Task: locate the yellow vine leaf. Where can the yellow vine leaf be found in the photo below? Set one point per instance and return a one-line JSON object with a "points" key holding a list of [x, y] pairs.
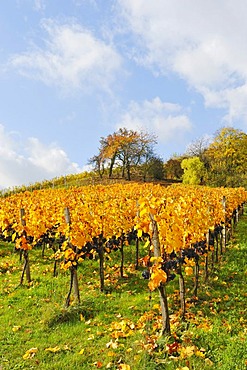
{"points": [[30, 353], [156, 259], [112, 344], [143, 212], [16, 328], [200, 354], [53, 349], [147, 244], [139, 233], [188, 270], [157, 277], [208, 362], [187, 352], [124, 367]]}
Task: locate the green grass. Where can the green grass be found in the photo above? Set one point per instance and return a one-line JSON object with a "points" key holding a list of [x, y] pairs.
{"points": [[122, 327]]}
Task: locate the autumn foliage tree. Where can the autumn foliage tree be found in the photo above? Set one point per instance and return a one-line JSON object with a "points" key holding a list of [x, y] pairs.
{"points": [[193, 171], [198, 148], [98, 164], [123, 149], [153, 167], [226, 156], [173, 169]]}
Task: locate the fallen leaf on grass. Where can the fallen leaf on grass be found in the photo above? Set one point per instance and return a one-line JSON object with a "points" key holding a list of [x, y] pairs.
{"points": [[30, 353], [200, 354], [124, 367], [208, 362], [173, 347], [53, 349], [112, 344], [16, 328], [205, 326], [57, 349], [121, 329], [187, 352], [98, 364]]}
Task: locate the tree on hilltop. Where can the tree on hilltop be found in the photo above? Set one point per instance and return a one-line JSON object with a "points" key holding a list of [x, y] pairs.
{"points": [[123, 149], [227, 156]]}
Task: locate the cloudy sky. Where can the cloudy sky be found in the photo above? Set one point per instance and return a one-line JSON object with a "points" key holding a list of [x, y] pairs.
{"points": [[76, 70]]}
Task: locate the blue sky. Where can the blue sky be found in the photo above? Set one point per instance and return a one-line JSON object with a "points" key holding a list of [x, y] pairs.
{"points": [[76, 70]]}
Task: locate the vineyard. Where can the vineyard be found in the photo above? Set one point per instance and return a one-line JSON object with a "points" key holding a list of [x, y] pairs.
{"points": [[115, 241]]}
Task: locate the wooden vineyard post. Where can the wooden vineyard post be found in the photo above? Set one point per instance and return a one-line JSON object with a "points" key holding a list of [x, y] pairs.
{"points": [[224, 224], [233, 222], [26, 267], [162, 291], [241, 210], [137, 241], [122, 256], [211, 245], [55, 273], [216, 234], [237, 215], [137, 253], [182, 295], [73, 269], [101, 264], [221, 241], [182, 291], [206, 257], [196, 283]]}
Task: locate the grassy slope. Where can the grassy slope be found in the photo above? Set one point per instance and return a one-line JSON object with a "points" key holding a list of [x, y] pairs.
{"points": [[122, 327], [81, 179]]}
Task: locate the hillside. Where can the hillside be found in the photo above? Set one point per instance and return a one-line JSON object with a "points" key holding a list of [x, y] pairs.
{"points": [[120, 327], [81, 179]]}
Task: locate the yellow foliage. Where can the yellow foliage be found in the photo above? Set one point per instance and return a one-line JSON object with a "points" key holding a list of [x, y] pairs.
{"points": [[188, 270], [158, 276], [187, 351], [139, 233]]}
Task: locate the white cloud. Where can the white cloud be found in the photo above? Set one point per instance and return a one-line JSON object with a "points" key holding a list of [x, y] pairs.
{"points": [[72, 58], [39, 5], [166, 120], [22, 163], [204, 42], [51, 159], [83, 2]]}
